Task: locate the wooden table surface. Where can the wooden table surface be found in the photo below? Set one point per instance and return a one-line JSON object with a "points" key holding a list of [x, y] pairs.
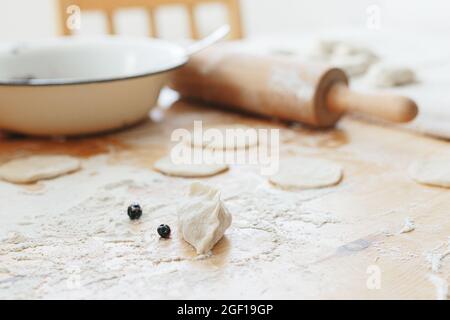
{"points": [[70, 237]]}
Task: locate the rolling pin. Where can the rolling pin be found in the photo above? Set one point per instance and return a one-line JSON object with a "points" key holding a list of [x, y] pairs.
{"points": [[281, 87]]}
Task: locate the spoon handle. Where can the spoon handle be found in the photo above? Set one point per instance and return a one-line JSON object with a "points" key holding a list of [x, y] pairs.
{"points": [[213, 38]]}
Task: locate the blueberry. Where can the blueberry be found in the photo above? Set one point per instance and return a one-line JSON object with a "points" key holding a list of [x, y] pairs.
{"points": [[135, 211], [164, 231]]}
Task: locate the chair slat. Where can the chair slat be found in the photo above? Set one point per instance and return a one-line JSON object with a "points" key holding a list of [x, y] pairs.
{"points": [[110, 6], [110, 25], [153, 25], [192, 21]]}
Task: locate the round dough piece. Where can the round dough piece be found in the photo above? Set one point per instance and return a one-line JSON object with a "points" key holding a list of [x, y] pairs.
{"points": [[307, 173], [353, 65], [385, 76], [167, 167], [36, 168], [242, 137], [431, 171]]}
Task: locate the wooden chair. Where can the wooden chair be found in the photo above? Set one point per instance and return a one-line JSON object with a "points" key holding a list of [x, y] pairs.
{"points": [[110, 6]]}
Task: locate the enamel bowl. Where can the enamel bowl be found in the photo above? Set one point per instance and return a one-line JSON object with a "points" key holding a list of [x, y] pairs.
{"points": [[76, 86]]}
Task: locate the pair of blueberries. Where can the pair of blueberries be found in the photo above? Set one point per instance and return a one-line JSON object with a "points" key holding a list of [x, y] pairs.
{"points": [[135, 213]]}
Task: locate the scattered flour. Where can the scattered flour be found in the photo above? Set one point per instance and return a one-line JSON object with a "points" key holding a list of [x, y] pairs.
{"points": [[408, 227], [393, 252], [435, 258], [92, 250], [441, 286]]}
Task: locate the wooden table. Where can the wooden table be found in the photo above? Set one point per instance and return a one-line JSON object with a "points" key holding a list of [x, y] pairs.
{"points": [[71, 238]]}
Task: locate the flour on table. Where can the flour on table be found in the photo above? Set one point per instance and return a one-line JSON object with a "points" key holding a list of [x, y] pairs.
{"points": [[441, 286], [224, 137], [433, 171], [36, 168], [168, 167], [306, 173], [385, 76], [408, 227], [436, 256], [203, 218]]}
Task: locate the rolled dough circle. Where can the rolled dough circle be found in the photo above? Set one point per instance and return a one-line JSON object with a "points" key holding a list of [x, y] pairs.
{"points": [[433, 171], [386, 76], [167, 167], [306, 173], [36, 168], [247, 139]]}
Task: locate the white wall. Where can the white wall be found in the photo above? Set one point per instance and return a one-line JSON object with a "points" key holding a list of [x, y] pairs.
{"points": [[24, 19], [30, 19]]}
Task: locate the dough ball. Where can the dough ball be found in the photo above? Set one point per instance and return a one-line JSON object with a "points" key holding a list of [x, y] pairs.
{"points": [[166, 166], [353, 65], [203, 218], [383, 76], [347, 49], [306, 173], [36, 168], [353, 59], [433, 171], [324, 48], [224, 137]]}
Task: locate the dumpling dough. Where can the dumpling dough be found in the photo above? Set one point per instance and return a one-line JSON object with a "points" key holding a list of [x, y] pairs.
{"points": [[242, 137], [203, 218], [36, 168], [353, 59], [166, 166], [384, 76], [433, 171], [325, 49], [353, 65], [306, 173]]}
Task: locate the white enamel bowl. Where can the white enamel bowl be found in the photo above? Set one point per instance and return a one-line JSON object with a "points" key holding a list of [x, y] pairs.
{"points": [[81, 86]]}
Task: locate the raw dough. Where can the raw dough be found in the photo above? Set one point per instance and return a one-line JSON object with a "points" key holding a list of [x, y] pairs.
{"points": [[328, 48], [384, 76], [353, 59], [323, 48], [350, 49], [35, 168], [433, 171], [166, 166], [353, 65], [306, 173], [203, 218], [241, 138]]}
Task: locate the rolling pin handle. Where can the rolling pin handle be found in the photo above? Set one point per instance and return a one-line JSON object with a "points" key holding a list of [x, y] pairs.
{"points": [[387, 107]]}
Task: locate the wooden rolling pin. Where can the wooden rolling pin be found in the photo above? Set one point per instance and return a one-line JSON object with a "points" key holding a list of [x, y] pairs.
{"points": [[281, 87]]}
